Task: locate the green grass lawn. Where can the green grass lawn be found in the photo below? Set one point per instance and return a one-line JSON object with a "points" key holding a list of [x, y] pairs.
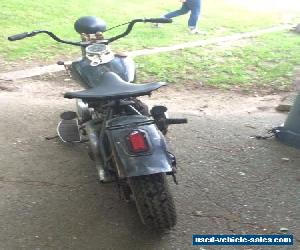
{"points": [[265, 61]]}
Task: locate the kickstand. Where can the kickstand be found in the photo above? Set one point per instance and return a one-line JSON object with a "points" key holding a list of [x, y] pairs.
{"points": [[174, 178], [48, 138]]}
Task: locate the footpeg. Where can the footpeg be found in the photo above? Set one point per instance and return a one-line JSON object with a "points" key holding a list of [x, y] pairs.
{"points": [[68, 131], [68, 115]]}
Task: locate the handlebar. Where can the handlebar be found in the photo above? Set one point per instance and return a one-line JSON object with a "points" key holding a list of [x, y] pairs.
{"points": [[127, 31], [35, 32], [158, 20], [133, 22], [18, 36], [85, 44]]}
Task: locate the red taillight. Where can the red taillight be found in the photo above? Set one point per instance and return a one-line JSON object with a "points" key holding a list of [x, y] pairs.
{"points": [[138, 142]]}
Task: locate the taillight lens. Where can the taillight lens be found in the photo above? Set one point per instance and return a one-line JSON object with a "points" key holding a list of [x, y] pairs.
{"points": [[138, 142]]}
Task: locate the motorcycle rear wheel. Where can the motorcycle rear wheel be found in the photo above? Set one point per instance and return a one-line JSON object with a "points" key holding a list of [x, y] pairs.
{"points": [[154, 201]]}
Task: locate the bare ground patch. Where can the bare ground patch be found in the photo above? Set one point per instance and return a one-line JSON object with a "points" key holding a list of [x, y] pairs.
{"points": [[193, 99]]}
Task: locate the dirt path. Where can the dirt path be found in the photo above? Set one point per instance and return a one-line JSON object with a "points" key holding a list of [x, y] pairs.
{"points": [[197, 101]]}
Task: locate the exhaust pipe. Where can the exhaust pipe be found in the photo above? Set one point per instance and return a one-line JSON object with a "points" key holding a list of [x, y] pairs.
{"points": [[97, 150]]}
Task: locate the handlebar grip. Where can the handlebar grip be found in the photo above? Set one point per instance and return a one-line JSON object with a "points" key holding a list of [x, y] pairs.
{"points": [[158, 20], [18, 36], [176, 121]]}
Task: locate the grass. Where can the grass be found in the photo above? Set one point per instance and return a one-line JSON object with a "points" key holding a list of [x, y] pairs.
{"points": [[264, 61]]}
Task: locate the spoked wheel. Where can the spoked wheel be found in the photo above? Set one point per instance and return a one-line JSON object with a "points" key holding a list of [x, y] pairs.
{"points": [[154, 201]]}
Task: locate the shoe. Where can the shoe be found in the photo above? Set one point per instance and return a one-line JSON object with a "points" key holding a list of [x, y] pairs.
{"points": [[194, 31]]}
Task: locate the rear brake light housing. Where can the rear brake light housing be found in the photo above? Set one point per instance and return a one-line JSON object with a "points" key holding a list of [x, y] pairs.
{"points": [[138, 142]]}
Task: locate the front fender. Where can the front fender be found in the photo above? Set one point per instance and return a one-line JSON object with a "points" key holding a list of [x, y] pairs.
{"points": [[156, 160]]}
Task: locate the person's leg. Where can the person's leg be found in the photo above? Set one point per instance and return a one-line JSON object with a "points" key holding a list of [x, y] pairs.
{"points": [[195, 7], [184, 9]]}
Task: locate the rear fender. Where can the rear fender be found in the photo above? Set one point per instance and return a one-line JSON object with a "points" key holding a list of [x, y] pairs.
{"points": [[128, 164]]}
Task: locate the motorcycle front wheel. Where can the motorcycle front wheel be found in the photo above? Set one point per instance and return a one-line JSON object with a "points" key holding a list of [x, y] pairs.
{"points": [[154, 201]]}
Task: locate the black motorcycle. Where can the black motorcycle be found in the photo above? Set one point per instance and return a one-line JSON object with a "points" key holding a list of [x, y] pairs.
{"points": [[125, 139]]}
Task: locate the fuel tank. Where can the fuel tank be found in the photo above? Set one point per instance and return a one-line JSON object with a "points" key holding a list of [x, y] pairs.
{"points": [[88, 76]]}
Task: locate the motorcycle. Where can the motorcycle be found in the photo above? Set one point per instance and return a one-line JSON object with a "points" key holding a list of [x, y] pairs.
{"points": [[126, 140]]}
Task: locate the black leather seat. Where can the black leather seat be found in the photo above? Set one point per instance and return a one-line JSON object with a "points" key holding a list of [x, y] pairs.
{"points": [[111, 86]]}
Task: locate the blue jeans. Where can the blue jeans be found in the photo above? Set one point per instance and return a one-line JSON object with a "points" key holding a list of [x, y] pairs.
{"points": [[190, 5]]}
